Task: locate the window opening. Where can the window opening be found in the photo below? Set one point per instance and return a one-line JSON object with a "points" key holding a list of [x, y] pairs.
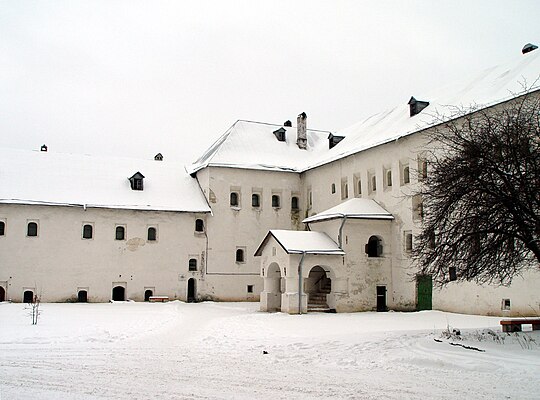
{"points": [[31, 229], [2, 228], [234, 199], [255, 200], [239, 255], [452, 272], [152, 233], [408, 242], [120, 233], [275, 201], [374, 183], [87, 231], [388, 178], [250, 288], [199, 225], [28, 296], [294, 203], [192, 264], [333, 188], [406, 175], [374, 247]]}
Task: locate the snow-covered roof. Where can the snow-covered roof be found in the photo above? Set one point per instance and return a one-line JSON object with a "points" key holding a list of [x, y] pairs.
{"points": [[253, 145], [298, 242], [36, 177], [354, 209], [492, 86]]}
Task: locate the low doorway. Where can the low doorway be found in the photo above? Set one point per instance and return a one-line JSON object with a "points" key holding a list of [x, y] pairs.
{"points": [[82, 296], [119, 293], [147, 294], [2, 294], [381, 299], [28, 296]]}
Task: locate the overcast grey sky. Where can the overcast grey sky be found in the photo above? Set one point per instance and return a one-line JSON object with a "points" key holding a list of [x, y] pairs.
{"points": [[134, 78]]}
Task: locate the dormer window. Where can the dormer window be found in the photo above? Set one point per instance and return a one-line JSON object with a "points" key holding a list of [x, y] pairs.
{"points": [[280, 134], [158, 157], [416, 106], [136, 181], [333, 140]]}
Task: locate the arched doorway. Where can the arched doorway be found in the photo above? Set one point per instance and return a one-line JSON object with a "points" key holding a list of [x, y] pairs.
{"points": [[2, 294], [119, 293], [28, 296], [317, 286], [82, 296], [191, 290], [147, 294]]}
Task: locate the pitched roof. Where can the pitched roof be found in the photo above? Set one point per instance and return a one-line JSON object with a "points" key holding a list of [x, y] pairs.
{"points": [[491, 86], [298, 242], [253, 145], [354, 209], [36, 177]]}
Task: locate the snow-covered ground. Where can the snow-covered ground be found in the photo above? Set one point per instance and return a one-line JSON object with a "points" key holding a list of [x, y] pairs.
{"points": [[215, 351]]}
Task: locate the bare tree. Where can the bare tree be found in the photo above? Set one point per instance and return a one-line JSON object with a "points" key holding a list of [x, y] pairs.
{"points": [[481, 196], [34, 309]]}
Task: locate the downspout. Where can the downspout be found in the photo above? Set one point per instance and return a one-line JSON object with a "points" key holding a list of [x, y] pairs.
{"points": [[340, 234], [300, 282]]}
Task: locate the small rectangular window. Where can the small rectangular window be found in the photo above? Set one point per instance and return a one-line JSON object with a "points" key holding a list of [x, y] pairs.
{"points": [[192, 264], [452, 273], [505, 304], [120, 233], [408, 237], [2, 228], [250, 288], [255, 200], [276, 201]]}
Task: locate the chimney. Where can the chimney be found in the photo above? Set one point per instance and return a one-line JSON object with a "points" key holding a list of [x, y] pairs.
{"points": [[287, 123], [44, 147], [301, 135]]}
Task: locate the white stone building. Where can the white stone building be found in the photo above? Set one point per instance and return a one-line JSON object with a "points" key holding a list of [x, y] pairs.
{"points": [[233, 227]]}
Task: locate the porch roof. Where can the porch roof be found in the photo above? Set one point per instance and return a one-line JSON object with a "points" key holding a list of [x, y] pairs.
{"points": [[298, 242], [353, 208]]}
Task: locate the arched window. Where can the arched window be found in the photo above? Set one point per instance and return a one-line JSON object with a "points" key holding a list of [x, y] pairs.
{"points": [[374, 183], [388, 178], [120, 233], [192, 264], [374, 247], [239, 255], [87, 231], [31, 229], [255, 200], [234, 199], [152, 233], [294, 203], [276, 201], [199, 225], [406, 175], [2, 228]]}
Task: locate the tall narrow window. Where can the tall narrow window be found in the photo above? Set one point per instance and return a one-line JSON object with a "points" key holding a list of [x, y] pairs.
{"points": [[234, 199], [388, 178], [275, 201], [2, 228], [408, 241], [120, 233], [255, 200], [193, 264], [294, 203], [452, 274], [87, 231], [240, 255], [333, 188], [199, 225], [31, 229], [374, 183], [406, 175], [359, 184], [152, 234]]}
